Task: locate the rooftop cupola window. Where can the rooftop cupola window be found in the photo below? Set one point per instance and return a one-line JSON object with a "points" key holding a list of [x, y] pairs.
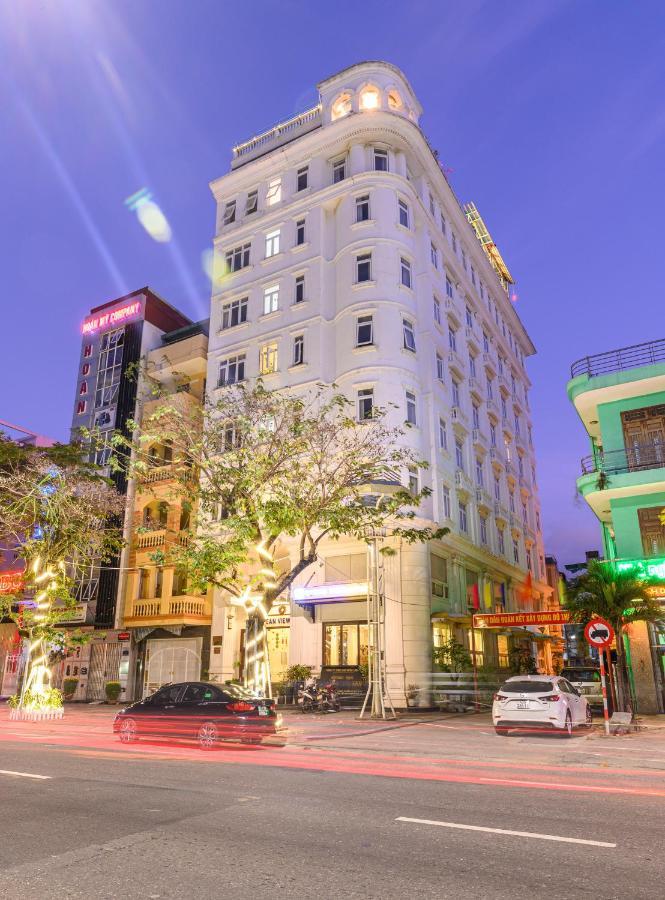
{"points": [[369, 98], [342, 106], [394, 100]]}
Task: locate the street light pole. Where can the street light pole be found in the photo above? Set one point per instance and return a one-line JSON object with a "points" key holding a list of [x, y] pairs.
{"points": [[375, 628]]}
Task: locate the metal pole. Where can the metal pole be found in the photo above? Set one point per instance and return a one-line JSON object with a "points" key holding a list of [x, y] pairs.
{"points": [[475, 666], [601, 657]]}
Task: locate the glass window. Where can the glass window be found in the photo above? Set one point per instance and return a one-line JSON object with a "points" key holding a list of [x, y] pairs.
{"points": [[516, 551], [446, 502], [492, 434], [475, 416], [437, 310], [268, 358], [381, 160], [486, 342], [369, 99], [231, 370], [302, 178], [364, 267], [443, 435], [271, 299], [410, 408], [472, 365], [339, 170], [459, 454], [455, 392], [364, 331], [409, 336], [272, 244], [405, 267], [300, 232], [449, 287], [252, 202], [440, 371], [403, 213], [365, 404], [298, 350], [202, 693], [502, 542], [362, 208], [234, 313], [300, 288], [431, 204], [452, 338], [469, 316], [274, 193], [238, 258], [480, 475], [414, 481], [109, 368], [434, 256], [443, 224], [345, 644], [230, 212], [463, 518], [483, 530]]}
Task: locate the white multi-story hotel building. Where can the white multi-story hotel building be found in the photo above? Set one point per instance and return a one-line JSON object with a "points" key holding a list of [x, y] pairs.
{"points": [[347, 258]]}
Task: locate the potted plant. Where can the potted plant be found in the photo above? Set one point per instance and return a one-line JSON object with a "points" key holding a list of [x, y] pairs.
{"points": [[113, 689], [412, 694], [69, 686]]}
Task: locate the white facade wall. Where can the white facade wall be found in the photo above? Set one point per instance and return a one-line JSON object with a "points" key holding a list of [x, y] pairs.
{"points": [[327, 320]]}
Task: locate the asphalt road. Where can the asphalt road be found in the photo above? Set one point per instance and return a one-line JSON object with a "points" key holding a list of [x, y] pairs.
{"points": [[324, 817]]}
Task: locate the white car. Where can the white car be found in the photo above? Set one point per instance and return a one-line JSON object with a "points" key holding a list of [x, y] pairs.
{"points": [[539, 702]]}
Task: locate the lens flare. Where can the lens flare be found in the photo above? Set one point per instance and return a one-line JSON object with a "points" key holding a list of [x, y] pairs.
{"points": [[150, 215]]}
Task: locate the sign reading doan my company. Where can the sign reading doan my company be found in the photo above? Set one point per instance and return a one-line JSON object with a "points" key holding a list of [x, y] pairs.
{"points": [[109, 319], [501, 620]]}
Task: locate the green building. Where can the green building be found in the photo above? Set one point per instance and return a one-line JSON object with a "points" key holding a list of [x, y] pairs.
{"points": [[620, 398]]}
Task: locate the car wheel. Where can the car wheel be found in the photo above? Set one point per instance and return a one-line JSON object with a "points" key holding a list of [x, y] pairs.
{"points": [[208, 736], [502, 732], [128, 731], [567, 729]]}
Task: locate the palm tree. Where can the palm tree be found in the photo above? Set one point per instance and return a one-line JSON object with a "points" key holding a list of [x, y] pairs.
{"points": [[618, 597]]}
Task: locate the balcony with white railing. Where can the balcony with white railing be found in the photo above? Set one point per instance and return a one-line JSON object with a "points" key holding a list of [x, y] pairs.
{"points": [[277, 136], [174, 610]]}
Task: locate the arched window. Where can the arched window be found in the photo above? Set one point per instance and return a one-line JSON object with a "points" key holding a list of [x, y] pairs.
{"points": [[394, 100], [370, 98], [341, 106]]}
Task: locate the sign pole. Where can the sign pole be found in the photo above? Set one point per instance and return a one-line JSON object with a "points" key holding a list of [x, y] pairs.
{"points": [[475, 667], [601, 657]]}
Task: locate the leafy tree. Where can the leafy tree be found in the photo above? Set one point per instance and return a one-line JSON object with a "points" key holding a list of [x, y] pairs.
{"points": [[270, 471], [56, 513], [451, 656], [618, 597]]}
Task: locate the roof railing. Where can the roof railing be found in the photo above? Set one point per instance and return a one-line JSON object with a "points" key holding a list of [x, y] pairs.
{"points": [[620, 360]]}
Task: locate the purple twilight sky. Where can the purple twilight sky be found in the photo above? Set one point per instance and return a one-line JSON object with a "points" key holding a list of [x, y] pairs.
{"points": [[549, 114]]}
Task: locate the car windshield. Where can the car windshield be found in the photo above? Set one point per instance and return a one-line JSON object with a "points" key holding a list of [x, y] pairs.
{"points": [[527, 687], [581, 674]]}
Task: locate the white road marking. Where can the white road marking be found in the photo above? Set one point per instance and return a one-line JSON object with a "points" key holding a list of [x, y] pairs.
{"points": [[25, 775], [526, 834]]}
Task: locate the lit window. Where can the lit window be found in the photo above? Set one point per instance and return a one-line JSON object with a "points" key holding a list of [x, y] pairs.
{"points": [[369, 99], [362, 208], [268, 359], [230, 212], [365, 404], [231, 370], [271, 299], [443, 435], [339, 170], [409, 336], [252, 202], [300, 232], [434, 256], [410, 408], [364, 267], [298, 350], [394, 100], [302, 178], [405, 267], [437, 310], [274, 194], [300, 288], [403, 213], [440, 372], [380, 160], [234, 313], [341, 106], [446, 501], [364, 331], [272, 244], [463, 518]]}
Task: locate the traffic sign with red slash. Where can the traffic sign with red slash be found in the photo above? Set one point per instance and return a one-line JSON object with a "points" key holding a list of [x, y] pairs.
{"points": [[600, 635]]}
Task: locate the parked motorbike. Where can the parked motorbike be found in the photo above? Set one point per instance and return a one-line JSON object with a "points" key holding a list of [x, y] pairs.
{"points": [[314, 697], [328, 701]]}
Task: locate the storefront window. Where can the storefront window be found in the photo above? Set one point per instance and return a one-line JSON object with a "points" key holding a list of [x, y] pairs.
{"points": [[474, 639], [345, 645], [441, 633], [502, 650]]}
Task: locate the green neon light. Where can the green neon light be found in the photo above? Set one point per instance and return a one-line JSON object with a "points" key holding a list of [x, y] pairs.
{"points": [[644, 568]]}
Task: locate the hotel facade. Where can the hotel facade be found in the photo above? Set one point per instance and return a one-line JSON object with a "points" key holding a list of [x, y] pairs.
{"points": [[343, 256]]}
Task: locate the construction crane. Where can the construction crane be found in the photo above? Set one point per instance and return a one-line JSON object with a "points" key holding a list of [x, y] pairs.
{"points": [[488, 245]]}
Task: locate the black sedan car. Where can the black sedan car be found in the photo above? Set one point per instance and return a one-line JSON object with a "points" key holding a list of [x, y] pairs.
{"points": [[206, 713]]}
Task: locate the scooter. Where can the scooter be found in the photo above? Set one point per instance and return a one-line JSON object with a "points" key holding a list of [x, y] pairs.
{"points": [[328, 701], [308, 696]]}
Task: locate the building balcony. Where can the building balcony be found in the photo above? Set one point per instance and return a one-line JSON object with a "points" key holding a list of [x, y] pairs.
{"points": [[501, 514], [627, 472], [483, 499], [479, 439], [152, 540], [178, 610], [635, 371]]}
